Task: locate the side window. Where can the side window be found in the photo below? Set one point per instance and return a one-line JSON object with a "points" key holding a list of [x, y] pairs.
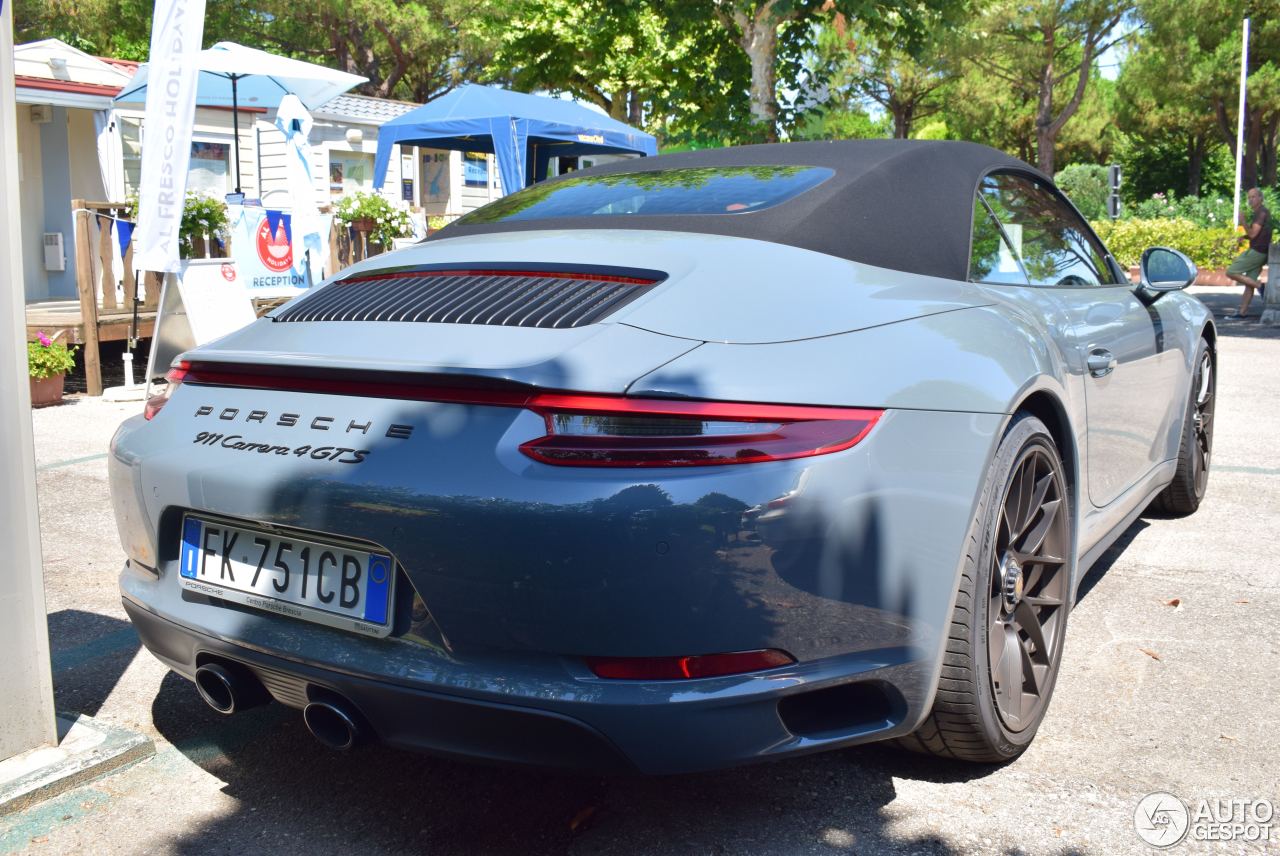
{"points": [[991, 259], [1054, 244]]}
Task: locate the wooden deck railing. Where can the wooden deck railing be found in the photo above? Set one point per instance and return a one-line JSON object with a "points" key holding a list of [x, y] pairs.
{"points": [[106, 303], [104, 300]]}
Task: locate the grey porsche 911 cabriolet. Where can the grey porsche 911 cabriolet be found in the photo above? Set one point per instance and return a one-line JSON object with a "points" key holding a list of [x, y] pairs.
{"points": [[674, 464]]}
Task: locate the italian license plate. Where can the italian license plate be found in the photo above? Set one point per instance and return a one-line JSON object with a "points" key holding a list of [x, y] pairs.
{"points": [[341, 585]]}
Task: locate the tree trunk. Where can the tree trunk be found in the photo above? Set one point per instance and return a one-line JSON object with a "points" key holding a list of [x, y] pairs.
{"points": [[760, 41], [1045, 140], [902, 121], [635, 109], [1046, 133], [1268, 162], [1252, 143], [618, 105], [1195, 163]]}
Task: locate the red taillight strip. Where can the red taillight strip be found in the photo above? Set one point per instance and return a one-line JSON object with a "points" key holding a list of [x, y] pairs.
{"points": [[730, 411], [544, 274], [797, 431]]}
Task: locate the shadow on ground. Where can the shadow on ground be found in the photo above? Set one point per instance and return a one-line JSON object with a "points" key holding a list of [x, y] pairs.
{"points": [[1095, 574], [292, 795], [90, 653], [1248, 327]]}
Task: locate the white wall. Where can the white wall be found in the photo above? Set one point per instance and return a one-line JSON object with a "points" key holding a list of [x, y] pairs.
{"points": [[457, 198], [86, 176], [328, 138], [31, 204]]}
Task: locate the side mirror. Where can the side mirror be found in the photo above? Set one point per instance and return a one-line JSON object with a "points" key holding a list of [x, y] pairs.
{"points": [[1164, 269]]}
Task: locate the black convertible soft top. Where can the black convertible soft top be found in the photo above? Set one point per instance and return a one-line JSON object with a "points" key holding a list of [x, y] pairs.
{"points": [[901, 204]]}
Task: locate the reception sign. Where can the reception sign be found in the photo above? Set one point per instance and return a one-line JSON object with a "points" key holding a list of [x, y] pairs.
{"points": [[271, 252]]}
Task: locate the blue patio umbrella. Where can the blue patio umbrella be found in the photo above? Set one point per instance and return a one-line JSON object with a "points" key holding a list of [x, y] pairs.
{"points": [[233, 75], [521, 130]]}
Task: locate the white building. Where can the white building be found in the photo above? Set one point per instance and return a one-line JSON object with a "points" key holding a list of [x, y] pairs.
{"points": [[74, 143]]}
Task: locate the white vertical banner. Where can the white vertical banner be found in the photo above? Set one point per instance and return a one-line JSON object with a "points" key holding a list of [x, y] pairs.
{"points": [[172, 78]]}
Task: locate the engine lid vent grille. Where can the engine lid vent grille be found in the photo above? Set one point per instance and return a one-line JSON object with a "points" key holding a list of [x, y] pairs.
{"points": [[511, 298]]}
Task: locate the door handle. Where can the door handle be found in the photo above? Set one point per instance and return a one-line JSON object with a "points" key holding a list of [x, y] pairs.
{"points": [[1101, 362]]}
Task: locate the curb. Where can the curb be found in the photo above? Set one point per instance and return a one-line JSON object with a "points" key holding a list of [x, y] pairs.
{"points": [[86, 750]]}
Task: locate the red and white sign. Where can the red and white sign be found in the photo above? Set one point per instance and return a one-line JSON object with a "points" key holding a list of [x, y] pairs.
{"points": [[264, 261], [274, 251]]}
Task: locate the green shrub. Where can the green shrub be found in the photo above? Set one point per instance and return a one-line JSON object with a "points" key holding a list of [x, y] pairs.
{"points": [[1086, 185], [1209, 247], [1212, 210]]}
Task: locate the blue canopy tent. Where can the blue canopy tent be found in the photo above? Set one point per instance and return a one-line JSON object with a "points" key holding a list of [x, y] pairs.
{"points": [[523, 132]]}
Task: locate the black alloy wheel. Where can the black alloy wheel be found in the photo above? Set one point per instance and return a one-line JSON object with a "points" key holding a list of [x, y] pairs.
{"points": [[1004, 643], [1027, 592], [1191, 479]]}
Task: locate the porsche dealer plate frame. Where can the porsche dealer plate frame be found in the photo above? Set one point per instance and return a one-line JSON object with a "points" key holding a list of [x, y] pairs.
{"points": [[339, 584]]}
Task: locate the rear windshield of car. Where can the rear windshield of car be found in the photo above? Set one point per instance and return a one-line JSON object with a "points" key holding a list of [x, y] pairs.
{"points": [[706, 190]]}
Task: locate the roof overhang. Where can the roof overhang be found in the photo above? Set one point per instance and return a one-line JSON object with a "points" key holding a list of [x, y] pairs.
{"points": [[64, 93]]}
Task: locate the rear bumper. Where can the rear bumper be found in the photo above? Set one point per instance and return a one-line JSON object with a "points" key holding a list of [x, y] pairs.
{"points": [[541, 714], [401, 716], [847, 561]]}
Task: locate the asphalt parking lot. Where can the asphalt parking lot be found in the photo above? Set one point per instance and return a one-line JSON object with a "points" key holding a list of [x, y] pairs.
{"points": [[1171, 682]]}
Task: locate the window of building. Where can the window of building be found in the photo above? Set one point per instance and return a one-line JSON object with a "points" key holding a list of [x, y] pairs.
{"points": [[349, 172], [475, 169], [209, 172]]}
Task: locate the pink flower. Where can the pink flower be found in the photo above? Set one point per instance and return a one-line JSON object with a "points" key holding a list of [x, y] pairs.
{"points": [[44, 340]]}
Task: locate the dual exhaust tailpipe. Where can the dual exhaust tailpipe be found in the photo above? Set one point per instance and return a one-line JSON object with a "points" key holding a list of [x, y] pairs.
{"points": [[229, 688]]}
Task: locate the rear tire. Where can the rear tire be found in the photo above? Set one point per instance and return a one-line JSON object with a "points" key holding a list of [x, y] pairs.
{"points": [[1005, 639], [1185, 493]]}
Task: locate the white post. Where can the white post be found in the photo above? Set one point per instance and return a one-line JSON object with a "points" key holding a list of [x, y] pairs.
{"points": [[26, 681], [1244, 84]]}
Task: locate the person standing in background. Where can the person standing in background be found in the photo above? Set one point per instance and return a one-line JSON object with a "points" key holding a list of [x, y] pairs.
{"points": [[1248, 265]]}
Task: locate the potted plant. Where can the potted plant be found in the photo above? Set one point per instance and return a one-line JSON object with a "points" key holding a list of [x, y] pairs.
{"points": [[371, 213], [204, 224], [48, 363]]}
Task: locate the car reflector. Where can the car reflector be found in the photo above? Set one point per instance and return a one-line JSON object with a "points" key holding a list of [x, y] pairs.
{"points": [[154, 402], [681, 668]]}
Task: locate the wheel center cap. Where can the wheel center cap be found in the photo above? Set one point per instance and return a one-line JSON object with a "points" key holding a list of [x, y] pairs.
{"points": [[1011, 582]]}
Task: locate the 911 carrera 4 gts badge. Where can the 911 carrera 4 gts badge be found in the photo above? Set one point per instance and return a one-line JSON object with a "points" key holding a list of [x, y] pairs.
{"points": [[339, 454], [235, 442]]}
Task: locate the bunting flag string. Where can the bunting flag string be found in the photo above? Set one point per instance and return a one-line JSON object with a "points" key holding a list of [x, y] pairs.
{"points": [[123, 230], [273, 221], [124, 234]]}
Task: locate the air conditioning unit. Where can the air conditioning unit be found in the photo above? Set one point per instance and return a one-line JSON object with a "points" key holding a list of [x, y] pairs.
{"points": [[55, 255], [41, 114]]}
